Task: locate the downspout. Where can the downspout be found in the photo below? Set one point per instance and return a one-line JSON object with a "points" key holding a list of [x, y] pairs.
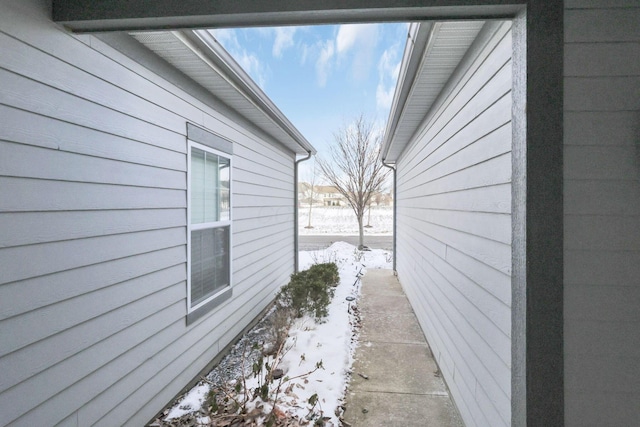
{"points": [[296, 239], [393, 168]]}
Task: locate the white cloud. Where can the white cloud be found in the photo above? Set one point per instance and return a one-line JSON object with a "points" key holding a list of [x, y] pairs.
{"points": [[356, 43], [347, 35], [283, 40], [324, 63], [388, 69], [228, 38], [252, 65]]}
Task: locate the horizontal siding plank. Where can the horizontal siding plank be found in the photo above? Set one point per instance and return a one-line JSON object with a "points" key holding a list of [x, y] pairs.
{"points": [[101, 61], [488, 125], [491, 145], [494, 281], [46, 290], [604, 303], [601, 163], [490, 226], [261, 214], [28, 95], [19, 160], [261, 152], [594, 267], [39, 66], [492, 172], [616, 380], [601, 25], [262, 167], [37, 325], [493, 380], [281, 261], [600, 128], [489, 318], [144, 380], [72, 396], [491, 199], [255, 188], [25, 195], [435, 247], [249, 175], [601, 197], [490, 252], [602, 93], [449, 362], [265, 232], [74, 342], [606, 233], [596, 338], [70, 254], [26, 363], [587, 408], [27, 228], [446, 109], [612, 60], [248, 255], [249, 249], [254, 200], [497, 88], [50, 133]]}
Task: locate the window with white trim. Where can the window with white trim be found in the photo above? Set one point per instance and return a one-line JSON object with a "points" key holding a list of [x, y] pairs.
{"points": [[209, 227]]}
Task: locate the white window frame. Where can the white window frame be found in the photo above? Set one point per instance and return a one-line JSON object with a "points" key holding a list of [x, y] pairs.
{"points": [[201, 226]]}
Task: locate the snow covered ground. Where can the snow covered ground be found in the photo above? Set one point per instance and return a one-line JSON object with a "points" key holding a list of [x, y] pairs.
{"points": [[339, 220], [331, 342]]}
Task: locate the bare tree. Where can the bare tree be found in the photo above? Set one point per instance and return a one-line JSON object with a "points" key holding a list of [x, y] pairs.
{"points": [[353, 166], [312, 187]]}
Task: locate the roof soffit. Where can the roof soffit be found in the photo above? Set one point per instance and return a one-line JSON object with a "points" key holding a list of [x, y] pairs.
{"points": [[198, 55], [417, 91]]}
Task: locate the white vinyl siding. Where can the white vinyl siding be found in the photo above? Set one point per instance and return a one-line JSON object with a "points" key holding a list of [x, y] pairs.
{"points": [[454, 232], [93, 228], [602, 213]]}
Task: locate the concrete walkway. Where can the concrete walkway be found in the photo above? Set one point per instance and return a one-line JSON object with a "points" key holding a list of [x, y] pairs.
{"points": [[403, 386]]}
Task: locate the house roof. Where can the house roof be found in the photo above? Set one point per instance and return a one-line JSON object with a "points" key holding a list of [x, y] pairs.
{"points": [[198, 55], [432, 54]]}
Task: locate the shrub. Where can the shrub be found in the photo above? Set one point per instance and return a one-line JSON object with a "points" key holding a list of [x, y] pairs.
{"points": [[327, 272], [310, 291]]}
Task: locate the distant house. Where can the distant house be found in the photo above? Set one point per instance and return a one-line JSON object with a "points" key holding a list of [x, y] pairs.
{"points": [[146, 216], [330, 195]]}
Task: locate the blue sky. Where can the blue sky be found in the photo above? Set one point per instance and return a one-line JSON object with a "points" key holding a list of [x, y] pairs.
{"points": [[321, 77]]}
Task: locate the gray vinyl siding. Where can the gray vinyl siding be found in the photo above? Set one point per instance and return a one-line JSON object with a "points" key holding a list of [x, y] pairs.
{"points": [[93, 229], [602, 213], [454, 233]]}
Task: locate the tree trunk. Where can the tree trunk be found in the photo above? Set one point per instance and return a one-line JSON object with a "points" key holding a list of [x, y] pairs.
{"points": [[310, 206], [361, 231]]}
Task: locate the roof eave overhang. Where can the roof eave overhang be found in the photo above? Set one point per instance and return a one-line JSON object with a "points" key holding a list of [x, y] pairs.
{"points": [[241, 93], [428, 67], [417, 38]]}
